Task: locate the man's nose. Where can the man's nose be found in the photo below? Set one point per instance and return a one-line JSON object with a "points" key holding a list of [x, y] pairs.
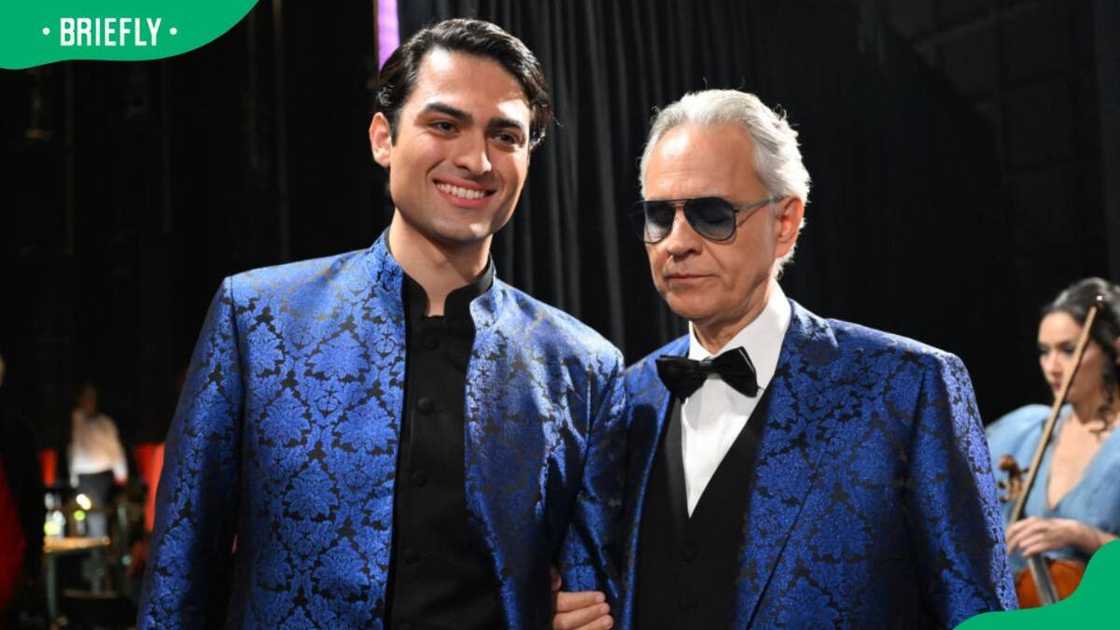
{"points": [[682, 239], [472, 154]]}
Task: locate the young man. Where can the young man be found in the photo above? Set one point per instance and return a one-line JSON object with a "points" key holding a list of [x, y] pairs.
{"points": [[786, 470], [395, 437]]}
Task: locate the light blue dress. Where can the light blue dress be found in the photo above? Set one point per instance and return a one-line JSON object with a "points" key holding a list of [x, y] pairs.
{"points": [[1095, 500]]}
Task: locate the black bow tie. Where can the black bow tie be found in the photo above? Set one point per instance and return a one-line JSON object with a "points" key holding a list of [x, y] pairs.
{"points": [[684, 376]]}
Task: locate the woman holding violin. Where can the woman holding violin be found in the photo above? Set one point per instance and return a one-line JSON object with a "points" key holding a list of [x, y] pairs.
{"points": [[1072, 505]]}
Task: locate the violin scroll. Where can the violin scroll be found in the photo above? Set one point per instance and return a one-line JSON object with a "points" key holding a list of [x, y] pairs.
{"points": [[1013, 487]]}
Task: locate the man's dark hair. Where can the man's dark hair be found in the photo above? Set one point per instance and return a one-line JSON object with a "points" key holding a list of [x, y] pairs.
{"points": [[473, 37]]}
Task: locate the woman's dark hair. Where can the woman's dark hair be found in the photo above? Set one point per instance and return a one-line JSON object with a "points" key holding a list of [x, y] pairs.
{"points": [[1075, 301], [474, 37]]}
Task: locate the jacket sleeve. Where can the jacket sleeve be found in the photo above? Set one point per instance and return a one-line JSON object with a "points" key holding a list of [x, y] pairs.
{"points": [[955, 516], [591, 554], [196, 506]]}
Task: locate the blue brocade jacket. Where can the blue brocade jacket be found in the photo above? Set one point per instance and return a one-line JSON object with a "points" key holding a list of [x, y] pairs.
{"points": [[873, 505], [276, 499]]}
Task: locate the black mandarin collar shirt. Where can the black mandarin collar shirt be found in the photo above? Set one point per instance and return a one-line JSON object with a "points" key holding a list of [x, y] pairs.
{"points": [[441, 573], [457, 306]]}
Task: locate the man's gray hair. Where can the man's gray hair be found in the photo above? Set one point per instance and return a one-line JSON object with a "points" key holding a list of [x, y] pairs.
{"points": [[777, 158]]}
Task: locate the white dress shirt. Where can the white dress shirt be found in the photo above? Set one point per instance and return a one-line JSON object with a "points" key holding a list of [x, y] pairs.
{"points": [[95, 447], [715, 414]]}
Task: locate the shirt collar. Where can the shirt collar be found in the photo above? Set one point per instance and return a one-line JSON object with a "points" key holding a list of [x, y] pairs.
{"points": [[457, 305], [761, 338]]}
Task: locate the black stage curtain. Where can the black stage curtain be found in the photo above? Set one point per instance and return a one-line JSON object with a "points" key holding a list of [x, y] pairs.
{"points": [[904, 228], [131, 189]]}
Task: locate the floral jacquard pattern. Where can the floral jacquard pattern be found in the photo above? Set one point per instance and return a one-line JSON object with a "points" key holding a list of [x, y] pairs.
{"points": [[873, 505], [276, 503]]}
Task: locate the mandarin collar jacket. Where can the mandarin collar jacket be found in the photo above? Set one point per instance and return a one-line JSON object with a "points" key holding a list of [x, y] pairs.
{"points": [[276, 499], [873, 504]]}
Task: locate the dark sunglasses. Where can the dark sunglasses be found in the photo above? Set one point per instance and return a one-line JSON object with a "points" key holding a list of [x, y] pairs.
{"points": [[714, 218]]}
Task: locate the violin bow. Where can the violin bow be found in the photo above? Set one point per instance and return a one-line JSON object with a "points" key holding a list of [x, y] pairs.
{"points": [[1047, 593]]}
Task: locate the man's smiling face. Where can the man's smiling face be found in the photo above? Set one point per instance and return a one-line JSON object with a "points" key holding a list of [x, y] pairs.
{"points": [[460, 153]]}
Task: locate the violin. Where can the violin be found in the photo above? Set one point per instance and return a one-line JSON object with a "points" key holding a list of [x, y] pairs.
{"points": [[1056, 579], [1045, 581]]}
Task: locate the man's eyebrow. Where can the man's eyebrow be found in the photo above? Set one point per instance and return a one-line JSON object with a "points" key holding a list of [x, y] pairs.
{"points": [[444, 108], [497, 122], [501, 122]]}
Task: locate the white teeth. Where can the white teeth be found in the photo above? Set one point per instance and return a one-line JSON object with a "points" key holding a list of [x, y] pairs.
{"points": [[461, 192]]}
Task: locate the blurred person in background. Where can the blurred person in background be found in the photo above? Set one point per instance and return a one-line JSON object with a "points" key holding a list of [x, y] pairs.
{"points": [[97, 458]]}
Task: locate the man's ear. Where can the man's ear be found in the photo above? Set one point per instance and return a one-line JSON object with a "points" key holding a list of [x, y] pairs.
{"points": [[380, 139], [787, 225]]}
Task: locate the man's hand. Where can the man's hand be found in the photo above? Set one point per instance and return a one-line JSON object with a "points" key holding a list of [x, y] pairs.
{"points": [[1035, 535], [585, 610]]}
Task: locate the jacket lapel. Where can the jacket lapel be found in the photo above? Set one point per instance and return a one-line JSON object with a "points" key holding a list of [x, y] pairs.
{"points": [[505, 491], [797, 431], [364, 444], [648, 409]]}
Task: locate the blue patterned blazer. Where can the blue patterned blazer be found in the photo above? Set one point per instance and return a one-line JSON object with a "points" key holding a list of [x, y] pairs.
{"points": [[873, 505], [284, 449]]}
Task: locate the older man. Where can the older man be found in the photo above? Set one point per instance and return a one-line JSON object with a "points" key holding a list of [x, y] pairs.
{"points": [[786, 470]]}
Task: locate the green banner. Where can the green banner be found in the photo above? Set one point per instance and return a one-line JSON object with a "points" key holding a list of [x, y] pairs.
{"points": [[36, 32], [1092, 605]]}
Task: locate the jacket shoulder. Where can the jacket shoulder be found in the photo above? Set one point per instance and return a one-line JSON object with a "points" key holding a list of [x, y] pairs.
{"points": [[293, 279], [552, 326], [856, 338]]}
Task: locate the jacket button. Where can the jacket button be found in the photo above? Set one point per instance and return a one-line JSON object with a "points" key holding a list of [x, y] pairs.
{"points": [[425, 405], [688, 553], [419, 478], [430, 342]]}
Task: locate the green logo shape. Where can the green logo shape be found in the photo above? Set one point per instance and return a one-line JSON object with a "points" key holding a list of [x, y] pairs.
{"points": [[36, 32], [1092, 605]]}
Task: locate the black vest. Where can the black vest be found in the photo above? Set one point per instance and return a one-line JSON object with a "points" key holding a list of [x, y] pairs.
{"points": [[688, 567]]}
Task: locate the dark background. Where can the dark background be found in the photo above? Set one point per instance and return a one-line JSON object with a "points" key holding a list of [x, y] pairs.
{"points": [[965, 157]]}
